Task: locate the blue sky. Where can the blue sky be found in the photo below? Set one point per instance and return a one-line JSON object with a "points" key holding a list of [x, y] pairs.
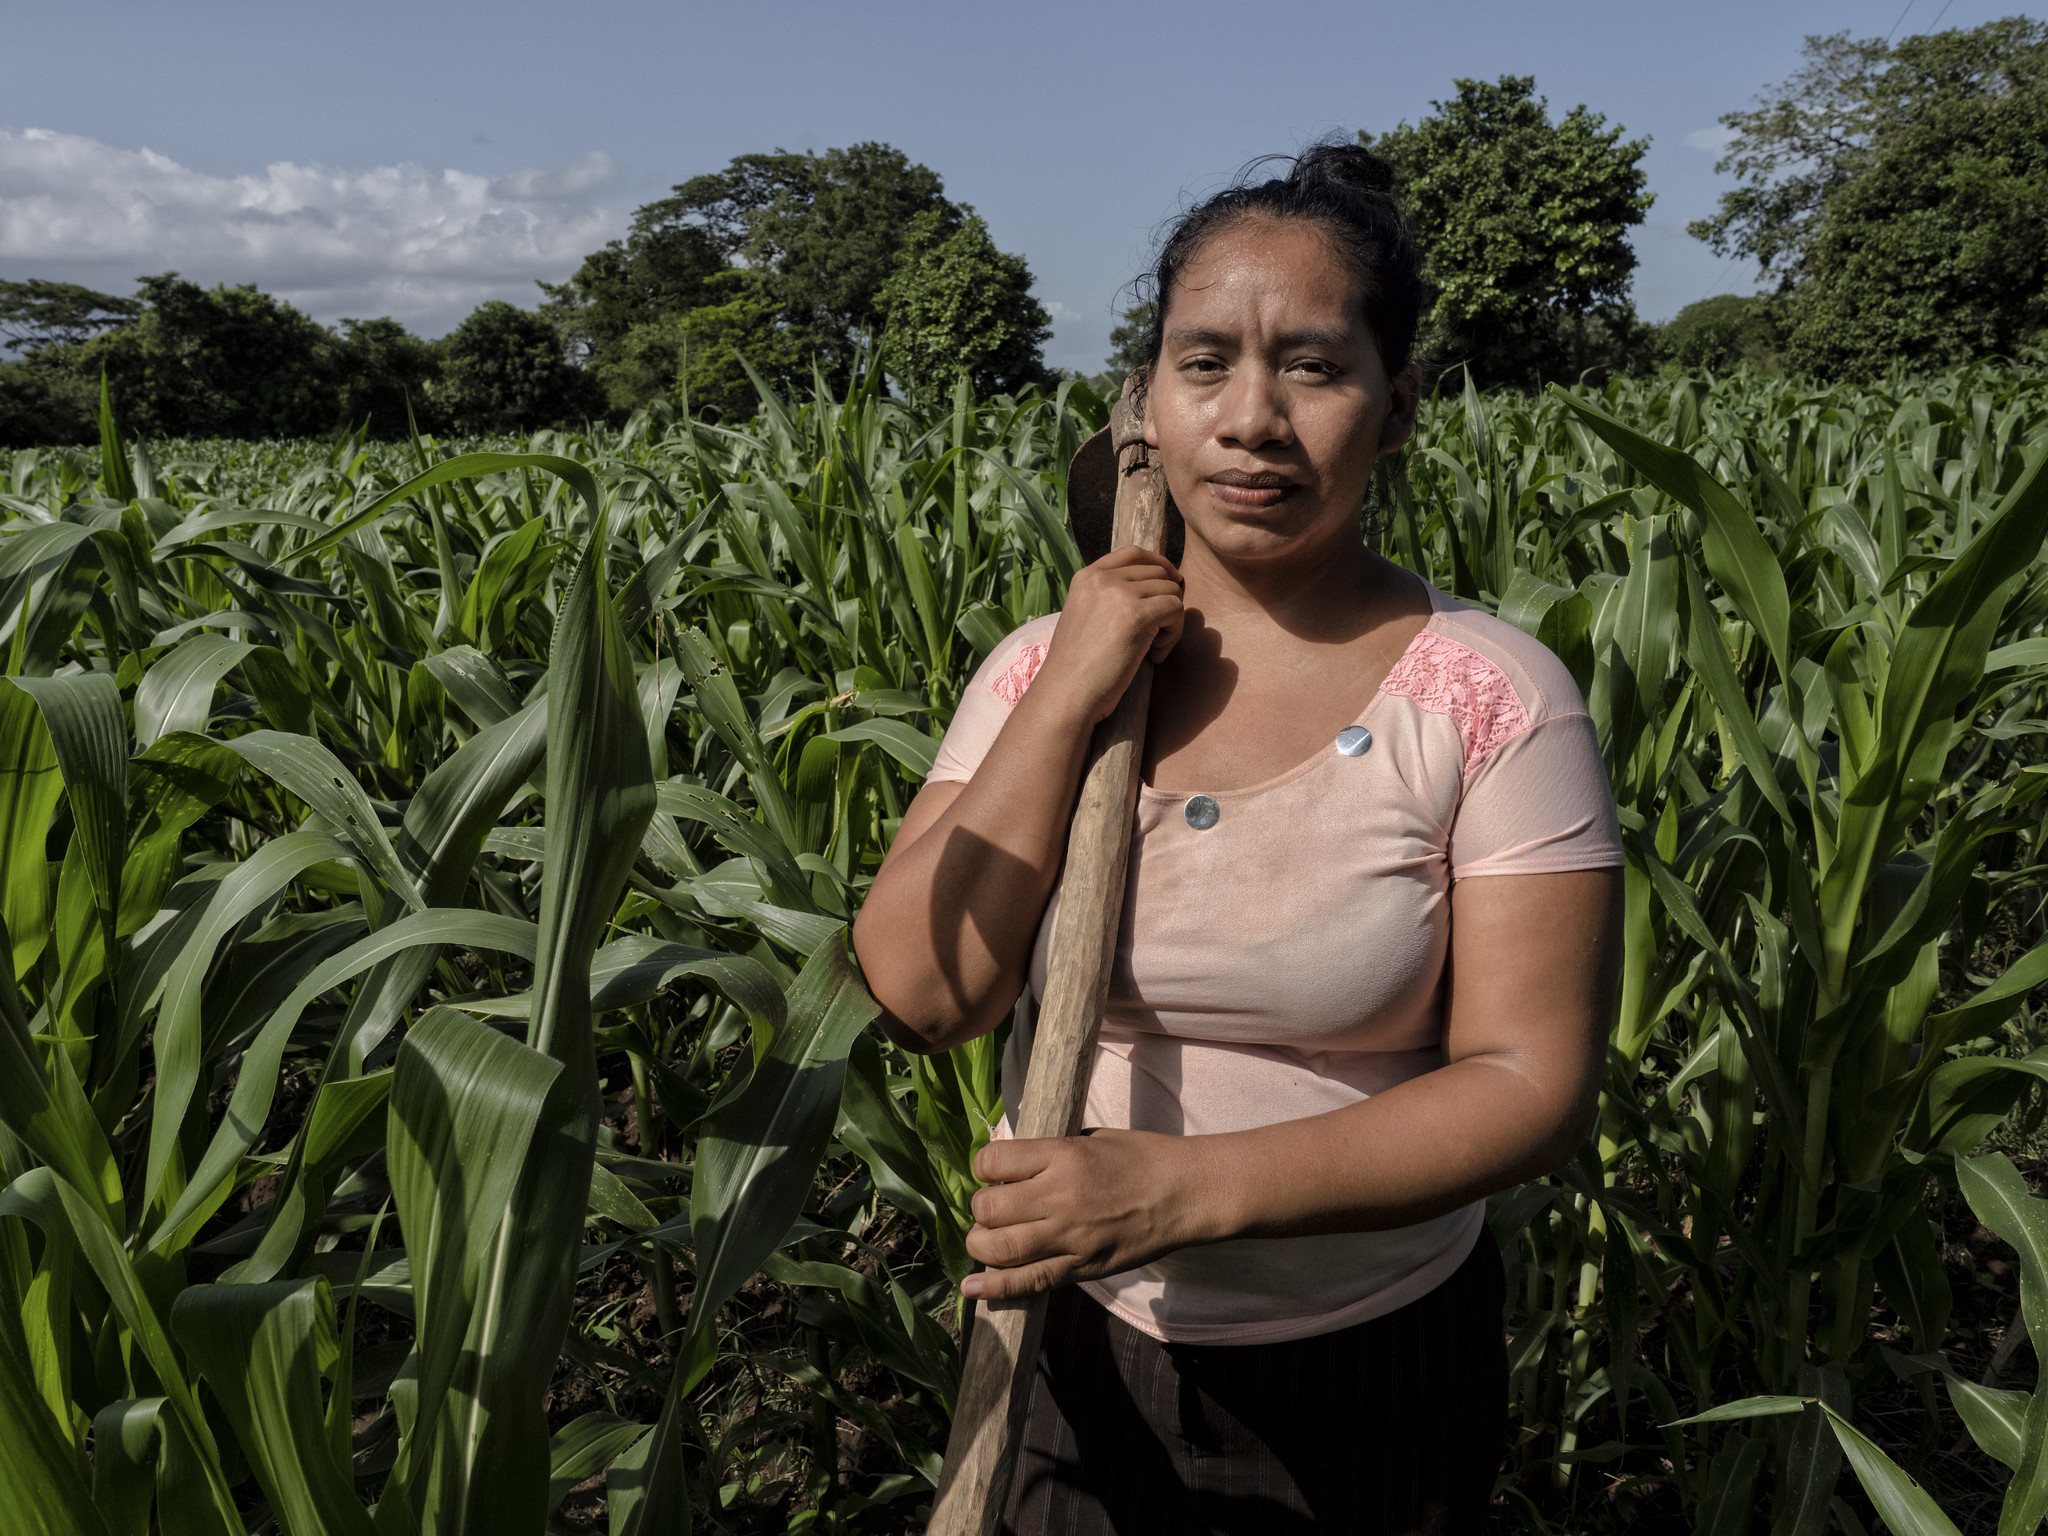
{"points": [[412, 159]]}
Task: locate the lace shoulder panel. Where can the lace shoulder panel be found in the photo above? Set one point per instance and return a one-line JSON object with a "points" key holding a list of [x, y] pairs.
{"points": [[1446, 678], [1010, 683]]}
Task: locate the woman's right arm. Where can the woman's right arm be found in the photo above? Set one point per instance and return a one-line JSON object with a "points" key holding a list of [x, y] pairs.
{"points": [[945, 934]]}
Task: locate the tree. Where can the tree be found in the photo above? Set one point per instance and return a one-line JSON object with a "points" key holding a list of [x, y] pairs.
{"points": [[824, 231], [1131, 341], [215, 362], [955, 305], [661, 268], [384, 376], [695, 356], [44, 402], [1901, 194], [38, 313], [1525, 224], [1721, 332], [502, 370]]}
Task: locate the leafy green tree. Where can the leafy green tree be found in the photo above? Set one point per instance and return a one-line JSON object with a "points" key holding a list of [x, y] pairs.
{"points": [[1525, 225], [1130, 339], [825, 233], [955, 305], [1721, 332], [660, 269], [45, 402], [384, 375], [38, 313], [694, 357], [216, 362], [502, 370], [1901, 194]]}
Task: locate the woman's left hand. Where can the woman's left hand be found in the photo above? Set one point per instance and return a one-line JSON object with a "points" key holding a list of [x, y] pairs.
{"points": [[1078, 1208]]}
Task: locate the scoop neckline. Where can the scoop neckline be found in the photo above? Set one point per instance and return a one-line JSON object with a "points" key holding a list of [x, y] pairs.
{"points": [[1439, 605]]}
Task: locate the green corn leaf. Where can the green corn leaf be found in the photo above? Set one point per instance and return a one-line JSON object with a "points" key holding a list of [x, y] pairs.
{"points": [[124, 1440], [117, 479], [43, 543], [1735, 549], [1999, 1197], [755, 1160], [1806, 1491], [255, 1088], [40, 1103], [30, 787], [583, 1448], [206, 523], [1709, 658], [756, 1156], [1747, 1408], [264, 1350], [916, 751], [740, 832], [176, 694], [460, 802], [54, 1201], [464, 1105], [306, 768], [90, 737], [466, 467], [1988, 1007], [143, 1462], [1903, 1503], [41, 1470], [600, 798], [477, 684], [1996, 1417], [178, 1026], [1937, 663]]}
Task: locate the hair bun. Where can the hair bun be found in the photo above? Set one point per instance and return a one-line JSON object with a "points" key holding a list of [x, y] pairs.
{"points": [[1352, 167]]}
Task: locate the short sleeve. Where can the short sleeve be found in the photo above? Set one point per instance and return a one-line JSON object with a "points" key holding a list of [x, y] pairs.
{"points": [[1538, 804], [985, 704]]}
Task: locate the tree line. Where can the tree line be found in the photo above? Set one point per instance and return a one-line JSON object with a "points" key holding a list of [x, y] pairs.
{"points": [[1896, 194]]}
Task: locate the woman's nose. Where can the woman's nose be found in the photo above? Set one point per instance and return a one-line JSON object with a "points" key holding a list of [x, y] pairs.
{"points": [[1254, 415]]}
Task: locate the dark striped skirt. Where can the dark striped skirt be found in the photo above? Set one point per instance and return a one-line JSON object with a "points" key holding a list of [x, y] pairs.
{"points": [[1392, 1426]]}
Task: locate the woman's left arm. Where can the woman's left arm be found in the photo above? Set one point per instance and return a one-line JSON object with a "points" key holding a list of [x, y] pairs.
{"points": [[1530, 993]]}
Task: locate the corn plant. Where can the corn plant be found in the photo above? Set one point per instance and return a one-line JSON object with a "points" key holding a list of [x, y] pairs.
{"points": [[438, 1098]]}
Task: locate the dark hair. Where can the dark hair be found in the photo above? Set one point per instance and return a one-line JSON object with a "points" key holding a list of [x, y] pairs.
{"points": [[1347, 192]]}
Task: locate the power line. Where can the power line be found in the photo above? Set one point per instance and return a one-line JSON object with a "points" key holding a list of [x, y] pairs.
{"points": [[1902, 20], [1941, 13]]}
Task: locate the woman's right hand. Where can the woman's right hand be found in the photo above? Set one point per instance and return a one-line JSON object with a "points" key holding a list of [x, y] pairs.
{"points": [[1123, 609]]}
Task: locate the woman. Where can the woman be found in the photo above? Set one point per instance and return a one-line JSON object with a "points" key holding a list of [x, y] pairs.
{"points": [[1369, 933]]}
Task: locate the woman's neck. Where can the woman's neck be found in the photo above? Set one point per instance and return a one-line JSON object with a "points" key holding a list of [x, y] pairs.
{"points": [[1325, 595]]}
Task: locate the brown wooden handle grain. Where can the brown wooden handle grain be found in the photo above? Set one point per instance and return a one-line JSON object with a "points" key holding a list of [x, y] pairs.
{"points": [[1002, 1353]]}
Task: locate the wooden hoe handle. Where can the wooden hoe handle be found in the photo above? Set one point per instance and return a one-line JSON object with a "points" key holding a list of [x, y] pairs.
{"points": [[1002, 1353]]}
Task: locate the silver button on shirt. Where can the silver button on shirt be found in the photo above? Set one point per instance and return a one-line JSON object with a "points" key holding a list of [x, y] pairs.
{"points": [[1354, 741], [1201, 812]]}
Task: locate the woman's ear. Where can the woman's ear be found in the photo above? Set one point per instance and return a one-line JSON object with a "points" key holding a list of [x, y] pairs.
{"points": [[1151, 430], [1406, 389]]}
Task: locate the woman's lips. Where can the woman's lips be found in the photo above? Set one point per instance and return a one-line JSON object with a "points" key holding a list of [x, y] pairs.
{"points": [[1250, 493]]}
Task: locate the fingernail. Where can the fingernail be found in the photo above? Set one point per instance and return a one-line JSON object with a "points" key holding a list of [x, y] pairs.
{"points": [[971, 1286]]}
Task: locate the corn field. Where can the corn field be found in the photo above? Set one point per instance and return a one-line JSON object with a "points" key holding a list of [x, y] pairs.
{"points": [[436, 1097]]}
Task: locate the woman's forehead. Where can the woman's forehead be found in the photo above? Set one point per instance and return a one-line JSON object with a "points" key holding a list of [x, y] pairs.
{"points": [[1266, 273]]}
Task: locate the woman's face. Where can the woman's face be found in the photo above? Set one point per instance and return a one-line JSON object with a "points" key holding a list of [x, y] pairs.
{"points": [[1270, 403]]}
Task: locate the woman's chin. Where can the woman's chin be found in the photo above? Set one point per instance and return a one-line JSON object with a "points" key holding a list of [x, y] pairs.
{"points": [[1278, 534]]}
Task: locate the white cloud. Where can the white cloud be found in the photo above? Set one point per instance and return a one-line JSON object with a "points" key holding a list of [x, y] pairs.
{"points": [[423, 246], [1714, 140]]}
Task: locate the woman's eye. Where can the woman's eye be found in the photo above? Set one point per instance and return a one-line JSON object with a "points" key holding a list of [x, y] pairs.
{"points": [[1204, 366]]}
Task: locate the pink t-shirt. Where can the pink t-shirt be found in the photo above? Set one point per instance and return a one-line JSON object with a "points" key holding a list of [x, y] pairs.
{"points": [[1288, 959]]}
